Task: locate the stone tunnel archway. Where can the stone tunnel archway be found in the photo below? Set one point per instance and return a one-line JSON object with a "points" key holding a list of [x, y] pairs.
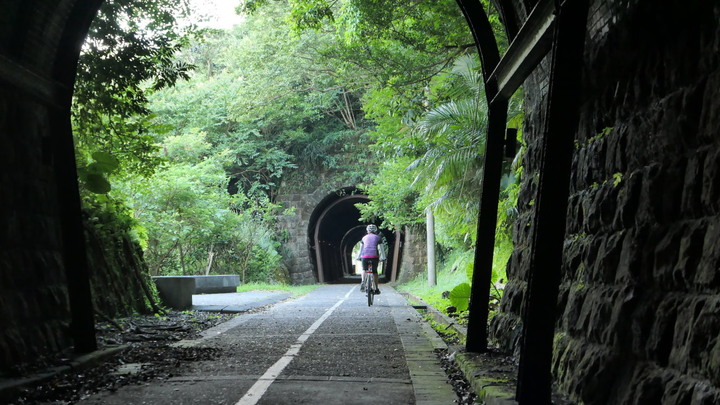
{"points": [[333, 231]]}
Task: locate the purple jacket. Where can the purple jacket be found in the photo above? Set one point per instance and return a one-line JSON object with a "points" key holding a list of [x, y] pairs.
{"points": [[370, 244]]}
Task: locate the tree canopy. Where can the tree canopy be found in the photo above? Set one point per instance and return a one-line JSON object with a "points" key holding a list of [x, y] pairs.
{"points": [[199, 131]]}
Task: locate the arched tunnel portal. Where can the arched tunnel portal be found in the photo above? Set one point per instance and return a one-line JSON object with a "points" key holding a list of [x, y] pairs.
{"points": [[335, 229]]}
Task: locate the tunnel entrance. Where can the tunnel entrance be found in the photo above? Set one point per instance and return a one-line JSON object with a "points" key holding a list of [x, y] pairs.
{"points": [[334, 231]]}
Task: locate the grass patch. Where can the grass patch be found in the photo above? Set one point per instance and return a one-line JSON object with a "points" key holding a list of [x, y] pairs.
{"points": [[295, 290], [446, 281], [449, 335], [457, 269]]}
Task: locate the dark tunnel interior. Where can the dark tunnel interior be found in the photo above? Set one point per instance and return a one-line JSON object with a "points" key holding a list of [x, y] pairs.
{"points": [[333, 232]]}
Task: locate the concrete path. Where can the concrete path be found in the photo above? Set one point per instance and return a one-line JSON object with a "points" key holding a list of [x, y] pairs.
{"points": [[236, 302], [327, 347]]}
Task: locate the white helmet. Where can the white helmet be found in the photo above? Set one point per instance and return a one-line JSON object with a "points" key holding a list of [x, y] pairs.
{"points": [[372, 228]]}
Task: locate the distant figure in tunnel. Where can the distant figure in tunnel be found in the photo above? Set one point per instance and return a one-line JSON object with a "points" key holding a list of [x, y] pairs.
{"points": [[372, 252]]}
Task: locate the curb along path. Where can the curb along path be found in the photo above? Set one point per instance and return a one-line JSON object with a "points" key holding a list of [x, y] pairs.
{"points": [[326, 347]]}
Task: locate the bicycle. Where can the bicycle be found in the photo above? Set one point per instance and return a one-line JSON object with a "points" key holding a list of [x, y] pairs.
{"points": [[369, 285]]}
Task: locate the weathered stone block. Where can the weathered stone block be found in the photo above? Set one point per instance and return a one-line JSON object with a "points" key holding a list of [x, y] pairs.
{"points": [[590, 211], [629, 269], [714, 364], [600, 364], [709, 119], [687, 309], [690, 204], [505, 331], [513, 296], [608, 257], [710, 196], [703, 335], [615, 157], [660, 194], [602, 314], [665, 254], [628, 198], [690, 253], [606, 201], [573, 253], [654, 335], [575, 218], [527, 193], [573, 308], [518, 263], [706, 276], [176, 292], [704, 394]]}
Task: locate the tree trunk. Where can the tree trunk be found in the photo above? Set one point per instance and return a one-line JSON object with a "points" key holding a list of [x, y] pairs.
{"points": [[245, 262], [182, 259], [211, 257]]}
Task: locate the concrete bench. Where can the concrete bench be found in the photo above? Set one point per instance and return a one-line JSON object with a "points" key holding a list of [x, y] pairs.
{"points": [[177, 291]]}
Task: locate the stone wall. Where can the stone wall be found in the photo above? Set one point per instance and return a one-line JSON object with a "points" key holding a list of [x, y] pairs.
{"points": [[414, 253], [119, 278], [299, 195], [296, 242], [34, 298], [34, 314], [639, 318], [35, 317]]}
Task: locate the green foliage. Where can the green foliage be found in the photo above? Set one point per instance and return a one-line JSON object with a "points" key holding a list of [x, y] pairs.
{"points": [[617, 179], [230, 135], [128, 52], [94, 175], [382, 92], [392, 41], [194, 224], [460, 296], [111, 213], [266, 94], [393, 198], [447, 279], [447, 174], [264, 264]]}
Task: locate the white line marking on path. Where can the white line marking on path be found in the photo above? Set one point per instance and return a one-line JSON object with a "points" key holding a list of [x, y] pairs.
{"points": [[261, 385]]}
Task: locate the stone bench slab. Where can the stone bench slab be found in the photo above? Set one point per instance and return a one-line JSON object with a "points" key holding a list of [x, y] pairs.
{"points": [[177, 291]]}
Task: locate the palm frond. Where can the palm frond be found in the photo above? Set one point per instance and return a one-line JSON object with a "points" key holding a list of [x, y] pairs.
{"points": [[451, 168]]}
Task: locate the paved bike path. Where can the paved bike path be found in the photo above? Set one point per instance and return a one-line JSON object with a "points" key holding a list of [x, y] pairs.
{"points": [[326, 347], [236, 302]]}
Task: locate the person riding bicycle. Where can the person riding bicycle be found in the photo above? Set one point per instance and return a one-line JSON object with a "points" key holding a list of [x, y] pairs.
{"points": [[372, 251]]}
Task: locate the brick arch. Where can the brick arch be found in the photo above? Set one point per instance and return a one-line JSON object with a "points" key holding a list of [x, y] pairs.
{"points": [[334, 229]]}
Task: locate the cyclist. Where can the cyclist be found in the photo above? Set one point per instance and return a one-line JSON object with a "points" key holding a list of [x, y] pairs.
{"points": [[372, 251]]}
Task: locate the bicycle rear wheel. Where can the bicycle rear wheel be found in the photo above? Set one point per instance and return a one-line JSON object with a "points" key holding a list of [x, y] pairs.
{"points": [[368, 288]]}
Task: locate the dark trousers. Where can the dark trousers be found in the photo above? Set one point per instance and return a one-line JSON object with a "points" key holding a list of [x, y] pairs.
{"points": [[372, 262]]}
